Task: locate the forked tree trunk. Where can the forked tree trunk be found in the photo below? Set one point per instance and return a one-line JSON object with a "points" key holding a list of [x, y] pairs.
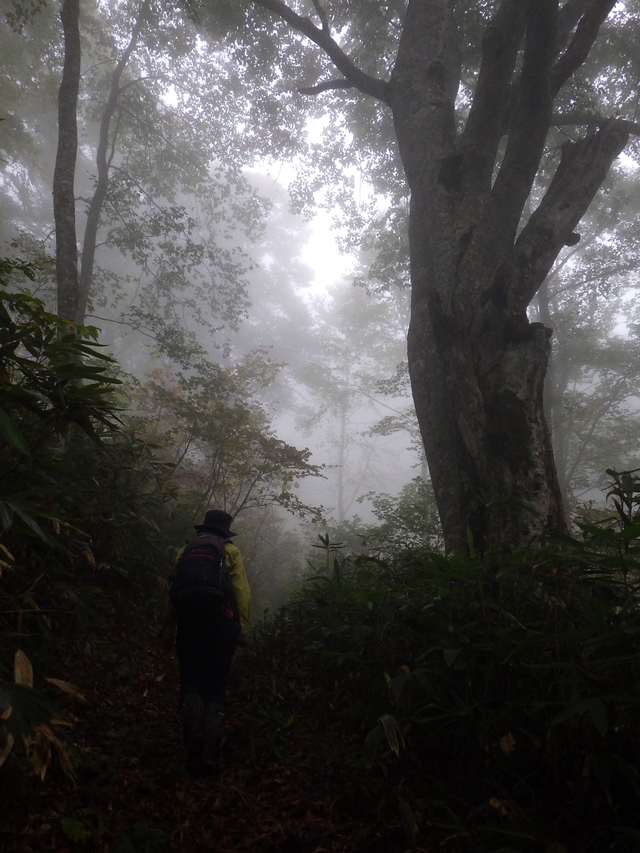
{"points": [[477, 364]]}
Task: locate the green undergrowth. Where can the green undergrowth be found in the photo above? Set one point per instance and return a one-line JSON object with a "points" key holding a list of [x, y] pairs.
{"points": [[493, 703], [87, 521]]}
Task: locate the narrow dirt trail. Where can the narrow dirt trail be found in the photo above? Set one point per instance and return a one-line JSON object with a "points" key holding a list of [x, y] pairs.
{"points": [[280, 792]]}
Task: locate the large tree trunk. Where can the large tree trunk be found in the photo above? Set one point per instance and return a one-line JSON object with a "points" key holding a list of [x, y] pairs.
{"points": [[477, 389], [477, 364], [64, 202]]}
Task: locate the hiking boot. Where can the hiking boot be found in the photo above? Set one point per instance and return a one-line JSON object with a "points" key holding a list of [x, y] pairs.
{"points": [[214, 720], [193, 730]]}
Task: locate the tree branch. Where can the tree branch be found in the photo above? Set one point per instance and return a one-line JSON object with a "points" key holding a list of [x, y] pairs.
{"points": [[484, 127], [581, 43], [570, 15], [530, 119], [582, 169], [361, 80], [600, 413], [594, 120], [324, 87], [322, 15], [423, 88], [132, 83], [114, 139], [568, 18]]}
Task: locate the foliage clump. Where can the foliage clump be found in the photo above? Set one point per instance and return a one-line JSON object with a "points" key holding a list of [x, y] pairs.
{"points": [[497, 699], [77, 493]]}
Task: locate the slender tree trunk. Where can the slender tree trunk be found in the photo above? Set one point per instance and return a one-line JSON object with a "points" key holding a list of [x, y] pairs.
{"points": [[64, 204], [544, 313], [555, 386], [342, 461], [104, 157]]}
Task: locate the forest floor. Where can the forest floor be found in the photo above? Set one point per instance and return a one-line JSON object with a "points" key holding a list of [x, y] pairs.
{"points": [[281, 787]]}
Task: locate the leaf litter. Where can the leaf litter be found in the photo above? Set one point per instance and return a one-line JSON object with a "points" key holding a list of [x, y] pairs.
{"points": [[280, 787]]}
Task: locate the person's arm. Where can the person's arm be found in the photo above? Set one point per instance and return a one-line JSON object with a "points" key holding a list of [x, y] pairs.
{"points": [[241, 590]]}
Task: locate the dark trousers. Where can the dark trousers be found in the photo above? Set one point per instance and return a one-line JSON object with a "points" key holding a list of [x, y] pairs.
{"points": [[205, 649]]}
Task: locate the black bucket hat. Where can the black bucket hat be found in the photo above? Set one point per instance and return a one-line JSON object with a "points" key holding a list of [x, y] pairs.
{"points": [[217, 521]]}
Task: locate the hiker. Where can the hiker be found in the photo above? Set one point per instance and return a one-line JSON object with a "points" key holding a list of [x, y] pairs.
{"points": [[211, 603]]}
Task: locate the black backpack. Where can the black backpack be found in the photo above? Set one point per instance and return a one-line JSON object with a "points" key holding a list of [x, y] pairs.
{"points": [[201, 581]]}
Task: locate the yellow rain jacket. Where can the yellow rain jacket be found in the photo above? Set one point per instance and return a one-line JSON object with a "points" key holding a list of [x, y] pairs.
{"points": [[241, 591]]}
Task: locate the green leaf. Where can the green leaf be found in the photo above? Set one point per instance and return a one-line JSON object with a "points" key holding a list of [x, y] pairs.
{"points": [[74, 830], [450, 655], [30, 522], [472, 551], [372, 744], [29, 708], [6, 516], [409, 823], [598, 713], [12, 434], [392, 732]]}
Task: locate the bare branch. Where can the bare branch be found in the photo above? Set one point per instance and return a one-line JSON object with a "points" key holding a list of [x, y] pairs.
{"points": [[581, 43], [361, 80], [324, 87], [582, 169]]}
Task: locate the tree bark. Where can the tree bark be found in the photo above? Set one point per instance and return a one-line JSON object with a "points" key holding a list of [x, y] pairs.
{"points": [[64, 204]]}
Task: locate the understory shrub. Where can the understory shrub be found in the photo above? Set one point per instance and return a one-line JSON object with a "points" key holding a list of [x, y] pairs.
{"points": [[500, 694], [85, 509]]}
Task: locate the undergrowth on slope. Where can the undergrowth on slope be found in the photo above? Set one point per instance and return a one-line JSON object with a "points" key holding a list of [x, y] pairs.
{"points": [[84, 517], [496, 700]]}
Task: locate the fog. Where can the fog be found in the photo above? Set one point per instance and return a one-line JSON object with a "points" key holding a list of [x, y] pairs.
{"points": [[267, 239]]}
